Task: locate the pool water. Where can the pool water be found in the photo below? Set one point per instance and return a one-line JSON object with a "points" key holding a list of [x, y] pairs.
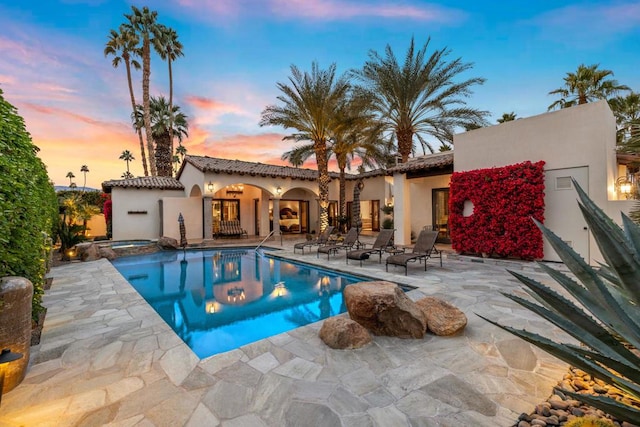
{"points": [[219, 300]]}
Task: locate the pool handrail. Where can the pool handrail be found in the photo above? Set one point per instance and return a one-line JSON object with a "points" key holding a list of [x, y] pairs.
{"points": [[264, 240]]}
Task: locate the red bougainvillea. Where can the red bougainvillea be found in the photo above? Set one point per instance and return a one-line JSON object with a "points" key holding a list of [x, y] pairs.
{"points": [[503, 201]]}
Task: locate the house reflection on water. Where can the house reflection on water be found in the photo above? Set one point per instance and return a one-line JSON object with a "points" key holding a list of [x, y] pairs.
{"points": [[218, 300]]}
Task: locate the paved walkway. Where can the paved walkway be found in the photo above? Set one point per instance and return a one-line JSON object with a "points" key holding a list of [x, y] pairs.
{"points": [[106, 358]]}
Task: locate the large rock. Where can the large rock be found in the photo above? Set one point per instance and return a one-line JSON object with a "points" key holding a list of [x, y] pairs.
{"points": [[384, 309], [443, 318], [108, 253], [87, 251], [343, 333], [167, 243], [16, 294]]}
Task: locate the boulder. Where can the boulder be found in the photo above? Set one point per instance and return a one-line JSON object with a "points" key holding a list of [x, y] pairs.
{"points": [[384, 309], [108, 253], [443, 318], [87, 251], [343, 333], [167, 243]]}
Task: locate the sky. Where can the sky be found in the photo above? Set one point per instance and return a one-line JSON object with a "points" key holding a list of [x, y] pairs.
{"points": [[76, 106]]}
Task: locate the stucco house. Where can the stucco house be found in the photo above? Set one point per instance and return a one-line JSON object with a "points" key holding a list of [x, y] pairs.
{"points": [[576, 142]]}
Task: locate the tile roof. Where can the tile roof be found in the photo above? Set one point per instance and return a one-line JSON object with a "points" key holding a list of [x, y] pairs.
{"points": [[239, 167], [429, 161], [148, 182]]}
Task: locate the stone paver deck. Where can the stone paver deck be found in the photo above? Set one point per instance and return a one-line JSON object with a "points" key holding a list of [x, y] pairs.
{"points": [[106, 358]]}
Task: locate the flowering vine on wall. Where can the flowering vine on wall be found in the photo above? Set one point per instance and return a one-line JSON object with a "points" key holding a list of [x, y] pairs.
{"points": [[490, 211]]}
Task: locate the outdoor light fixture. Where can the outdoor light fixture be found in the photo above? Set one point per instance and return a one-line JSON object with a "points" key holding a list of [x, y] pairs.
{"points": [[279, 190], [5, 357], [624, 186], [235, 189], [210, 306], [210, 187]]}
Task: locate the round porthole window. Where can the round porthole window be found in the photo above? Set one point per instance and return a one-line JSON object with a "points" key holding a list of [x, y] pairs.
{"points": [[467, 208]]}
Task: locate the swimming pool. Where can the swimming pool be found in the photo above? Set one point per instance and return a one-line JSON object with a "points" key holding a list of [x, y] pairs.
{"points": [[219, 300]]}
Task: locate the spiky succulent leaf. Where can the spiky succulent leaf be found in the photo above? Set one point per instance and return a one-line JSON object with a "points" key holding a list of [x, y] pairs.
{"points": [[628, 368], [612, 407], [632, 231], [566, 354]]}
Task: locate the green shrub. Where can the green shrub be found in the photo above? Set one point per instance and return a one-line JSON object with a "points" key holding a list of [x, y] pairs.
{"points": [[387, 223], [28, 204], [606, 318]]}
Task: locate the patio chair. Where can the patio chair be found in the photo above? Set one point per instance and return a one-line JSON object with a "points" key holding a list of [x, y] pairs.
{"points": [[424, 248], [382, 242], [322, 239], [349, 240]]}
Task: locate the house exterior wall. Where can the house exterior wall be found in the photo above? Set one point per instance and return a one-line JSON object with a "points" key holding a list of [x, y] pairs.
{"points": [[191, 209], [576, 137], [136, 212], [421, 200]]}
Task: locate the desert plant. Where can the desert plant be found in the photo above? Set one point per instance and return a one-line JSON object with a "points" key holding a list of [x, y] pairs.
{"points": [[606, 318], [589, 422]]}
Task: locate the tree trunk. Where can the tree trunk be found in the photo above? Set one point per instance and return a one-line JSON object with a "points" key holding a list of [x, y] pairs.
{"points": [[323, 182], [170, 104], [343, 198], [356, 221], [163, 155], [405, 143], [138, 130], [146, 76]]}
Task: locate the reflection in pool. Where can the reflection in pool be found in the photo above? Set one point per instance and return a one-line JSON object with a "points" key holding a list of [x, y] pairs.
{"points": [[219, 300]]}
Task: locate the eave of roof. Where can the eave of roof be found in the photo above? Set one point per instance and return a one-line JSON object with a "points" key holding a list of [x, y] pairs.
{"points": [[146, 182]]}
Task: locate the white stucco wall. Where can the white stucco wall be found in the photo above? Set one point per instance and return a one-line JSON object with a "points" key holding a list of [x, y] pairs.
{"points": [[191, 209], [576, 137], [136, 212], [422, 200]]}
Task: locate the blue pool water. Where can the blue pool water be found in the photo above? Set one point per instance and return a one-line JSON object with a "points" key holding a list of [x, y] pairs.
{"points": [[219, 300]]}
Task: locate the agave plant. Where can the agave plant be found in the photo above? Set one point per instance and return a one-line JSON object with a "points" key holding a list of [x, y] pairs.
{"points": [[604, 316]]}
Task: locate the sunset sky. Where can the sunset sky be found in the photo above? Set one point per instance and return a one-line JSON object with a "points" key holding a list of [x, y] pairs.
{"points": [[76, 105]]}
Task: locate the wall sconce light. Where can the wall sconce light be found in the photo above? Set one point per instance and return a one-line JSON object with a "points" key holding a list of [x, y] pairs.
{"points": [[210, 187], [624, 186], [279, 190]]}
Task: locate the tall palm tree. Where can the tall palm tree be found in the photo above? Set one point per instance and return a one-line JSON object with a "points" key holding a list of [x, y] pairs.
{"points": [[169, 49], [160, 121], [626, 110], [308, 106], [587, 84], [123, 46], [419, 97], [84, 169], [126, 175], [70, 175], [127, 157], [144, 24], [507, 117], [181, 150]]}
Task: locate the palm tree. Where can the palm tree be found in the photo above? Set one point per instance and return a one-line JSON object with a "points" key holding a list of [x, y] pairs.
{"points": [[84, 169], [126, 175], [419, 97], [169, 49], [507, 117], [587, 84], [308, 105], [70, 175], [160, 122], [143, 24], [127, 157], [626, 110], [181, 150], [123, 46]]}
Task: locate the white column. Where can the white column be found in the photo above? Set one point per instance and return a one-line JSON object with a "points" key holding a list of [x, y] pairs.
{"points": [[401, 210], [207, 221], [276, 216], [264, 213]]}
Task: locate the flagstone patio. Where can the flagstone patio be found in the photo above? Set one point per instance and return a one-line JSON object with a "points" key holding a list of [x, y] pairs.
{"points": [[106, 358]]}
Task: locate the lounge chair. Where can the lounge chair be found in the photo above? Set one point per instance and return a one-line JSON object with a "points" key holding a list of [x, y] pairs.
{"points": [[424, 248], [349, 240], [322, 239], [383, 241]]}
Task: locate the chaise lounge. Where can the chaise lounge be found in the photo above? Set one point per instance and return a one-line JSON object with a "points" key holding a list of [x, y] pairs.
{"points": [[424, 248], [349, 240], [232, 229], [383, 241], [322, 239]]}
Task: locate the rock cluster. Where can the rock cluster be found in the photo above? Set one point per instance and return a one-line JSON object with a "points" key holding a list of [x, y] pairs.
{"points": [[89, 251], [382, 308], [559, 409]]}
